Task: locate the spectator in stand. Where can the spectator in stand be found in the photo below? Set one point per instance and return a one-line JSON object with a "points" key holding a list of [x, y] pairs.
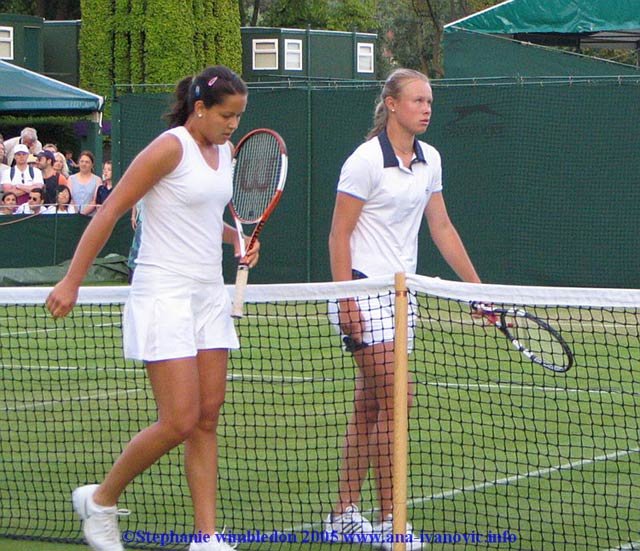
{"points": [[63, 203], [103, 190], [51, 147], [29, 138], [60, 165], [21, 178], [32, 160], [3, 165], [50, 177], [9, 203], [35, 205], [84, 184], [72, 166]]}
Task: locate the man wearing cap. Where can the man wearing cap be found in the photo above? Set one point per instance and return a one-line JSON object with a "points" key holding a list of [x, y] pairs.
{"points": [[21, 178], [28, 137], [50, 177]]}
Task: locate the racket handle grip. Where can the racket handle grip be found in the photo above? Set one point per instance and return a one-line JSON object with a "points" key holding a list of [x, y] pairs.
{"points": [[242, 276]]}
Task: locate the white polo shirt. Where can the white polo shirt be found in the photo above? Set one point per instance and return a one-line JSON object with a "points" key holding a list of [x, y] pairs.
{"points": [[385, 239]]}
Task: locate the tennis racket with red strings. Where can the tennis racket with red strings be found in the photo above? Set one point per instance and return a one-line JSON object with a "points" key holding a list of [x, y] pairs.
{"points": [[259, 174]]}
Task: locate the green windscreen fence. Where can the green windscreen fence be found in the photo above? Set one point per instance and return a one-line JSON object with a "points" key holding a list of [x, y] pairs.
{"points": [[30, 241], [476, 54], [541, 176]]}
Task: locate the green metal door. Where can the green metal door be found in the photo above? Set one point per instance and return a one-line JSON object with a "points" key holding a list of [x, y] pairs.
{"points": [[31, 48]]}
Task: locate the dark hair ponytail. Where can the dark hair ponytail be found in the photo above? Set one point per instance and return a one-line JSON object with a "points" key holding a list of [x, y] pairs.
{"points": [[180, 110], [211, 86]]}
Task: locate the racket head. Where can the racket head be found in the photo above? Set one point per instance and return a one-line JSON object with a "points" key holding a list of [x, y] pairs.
{"points": [[536, 340], [259, 173]]}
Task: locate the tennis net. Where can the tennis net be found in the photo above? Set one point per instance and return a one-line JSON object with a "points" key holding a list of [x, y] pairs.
{"points": [[502, 452]]}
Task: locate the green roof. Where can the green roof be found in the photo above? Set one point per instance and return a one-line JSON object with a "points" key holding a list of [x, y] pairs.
{"points": [[23, 91]]}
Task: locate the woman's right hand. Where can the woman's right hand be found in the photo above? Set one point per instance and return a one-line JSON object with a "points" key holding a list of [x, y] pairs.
{"points": [[62, 299], [350, 317]]}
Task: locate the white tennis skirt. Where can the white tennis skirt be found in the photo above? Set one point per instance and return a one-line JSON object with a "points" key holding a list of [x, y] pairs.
{"points": [[170, 316], [378, 314]]}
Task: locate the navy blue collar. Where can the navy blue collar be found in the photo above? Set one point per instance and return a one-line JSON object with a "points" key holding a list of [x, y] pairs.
{"points": [[389, 155]]}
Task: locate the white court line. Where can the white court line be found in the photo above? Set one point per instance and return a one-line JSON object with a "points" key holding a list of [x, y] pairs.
{"points": [[48, 367], [503, 482], [52, 329], [294, 379], [508, 386], [74, 399], [230, 377], [272, 379], [516, 478], [627, 546], [41, 367], [443, 495]]}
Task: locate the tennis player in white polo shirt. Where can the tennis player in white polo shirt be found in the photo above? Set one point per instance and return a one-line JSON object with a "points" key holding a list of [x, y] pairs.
{"points": [[386, 186]]}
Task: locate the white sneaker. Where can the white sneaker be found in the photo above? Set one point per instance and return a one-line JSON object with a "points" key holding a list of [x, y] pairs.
{"points": [[385, 529], [349, 522], [99, 524], [212, 545]]}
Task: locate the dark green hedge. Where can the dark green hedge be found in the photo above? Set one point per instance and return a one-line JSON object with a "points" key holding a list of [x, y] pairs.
{"points": [[96, 46], [159, 42]]}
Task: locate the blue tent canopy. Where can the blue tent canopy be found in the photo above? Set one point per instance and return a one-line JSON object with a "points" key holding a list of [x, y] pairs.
{"points": [[23, 91]]}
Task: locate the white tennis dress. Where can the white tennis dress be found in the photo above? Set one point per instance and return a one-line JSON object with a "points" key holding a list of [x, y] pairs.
{"points": [[178, 304]]}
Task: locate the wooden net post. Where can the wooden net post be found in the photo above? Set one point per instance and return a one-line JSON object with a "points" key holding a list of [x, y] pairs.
{"points": [[400, 413]]}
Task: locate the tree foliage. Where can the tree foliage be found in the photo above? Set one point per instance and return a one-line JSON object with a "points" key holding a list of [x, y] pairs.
{"points": [[96, 46], [344, 15], [227, 39], [153, 41], [353, 15], [410, 31], [142, 42], [168, 48], [298, 14], [47, 9]]}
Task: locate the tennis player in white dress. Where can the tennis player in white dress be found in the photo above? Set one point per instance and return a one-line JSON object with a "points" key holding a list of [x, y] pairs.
{"points": [[177, 319]]}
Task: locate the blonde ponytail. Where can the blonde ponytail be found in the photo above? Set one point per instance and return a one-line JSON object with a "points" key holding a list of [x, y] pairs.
{"points": [[392, 88]]}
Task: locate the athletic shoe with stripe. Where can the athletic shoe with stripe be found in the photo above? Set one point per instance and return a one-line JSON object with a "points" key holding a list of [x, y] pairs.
{"points": [[385, 529], [99, 524], [349, 522]]}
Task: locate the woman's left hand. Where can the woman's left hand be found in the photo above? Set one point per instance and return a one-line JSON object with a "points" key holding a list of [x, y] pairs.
{"points": [[253, 254]]}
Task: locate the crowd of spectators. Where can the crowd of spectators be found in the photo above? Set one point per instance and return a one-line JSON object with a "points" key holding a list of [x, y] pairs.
{"points": [[37, 179]]}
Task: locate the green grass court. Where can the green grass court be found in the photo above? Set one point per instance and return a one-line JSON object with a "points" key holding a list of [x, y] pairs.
{"points": [[20, 545], [497, 443]]}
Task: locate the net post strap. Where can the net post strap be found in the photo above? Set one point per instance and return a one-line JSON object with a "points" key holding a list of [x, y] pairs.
{"points": [[400, 411]]}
